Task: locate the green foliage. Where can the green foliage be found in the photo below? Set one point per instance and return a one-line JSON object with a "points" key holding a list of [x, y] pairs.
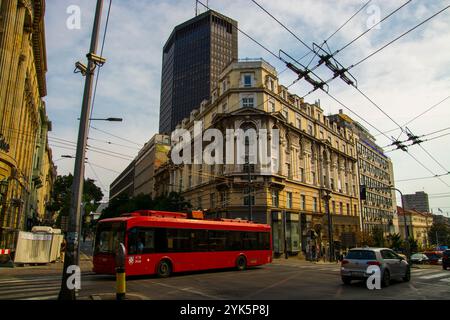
{"points": [[61, 196], [378, 236], [442, 231], [123, 204], [413, 245], [395, 241]]}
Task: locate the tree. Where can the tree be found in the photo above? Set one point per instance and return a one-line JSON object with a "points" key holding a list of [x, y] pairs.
{"points": [[442, 231], [378, 236], [395, 241], [124, 204], [61, 196], [413, 245]]}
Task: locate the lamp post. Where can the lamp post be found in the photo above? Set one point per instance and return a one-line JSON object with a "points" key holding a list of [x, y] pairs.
{"points": [[326, 196], [106, 119]]}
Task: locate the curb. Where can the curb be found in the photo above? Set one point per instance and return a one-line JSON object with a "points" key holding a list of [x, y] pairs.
{"points": [[112, 297]]}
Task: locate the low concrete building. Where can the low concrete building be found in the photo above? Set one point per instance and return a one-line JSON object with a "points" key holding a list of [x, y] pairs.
{"points": [[139, 176], [150, 158]]}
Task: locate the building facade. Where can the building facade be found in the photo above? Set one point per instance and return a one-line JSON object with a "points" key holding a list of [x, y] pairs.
{"points": [[23, 67], [150, 158], [418, 225], [193, 57], [315, 158], [123, 185], [139, 176], [417, 201], [376, 173]]}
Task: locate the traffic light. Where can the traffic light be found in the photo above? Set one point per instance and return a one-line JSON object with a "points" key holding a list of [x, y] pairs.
{"points": [[362, 192]]}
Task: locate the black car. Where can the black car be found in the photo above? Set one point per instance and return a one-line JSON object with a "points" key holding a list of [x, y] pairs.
{"points": [[446, 259]]}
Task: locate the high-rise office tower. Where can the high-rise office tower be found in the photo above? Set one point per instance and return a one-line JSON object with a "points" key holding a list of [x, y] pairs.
{"points": [[417, 201], [193, 58]]}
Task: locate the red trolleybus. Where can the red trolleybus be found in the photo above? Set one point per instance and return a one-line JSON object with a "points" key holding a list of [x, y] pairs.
{"points": [[159, 242]]}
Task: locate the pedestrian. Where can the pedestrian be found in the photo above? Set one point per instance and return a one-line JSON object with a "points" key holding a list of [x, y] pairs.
{"points": [[62, 250], [84, 236]]}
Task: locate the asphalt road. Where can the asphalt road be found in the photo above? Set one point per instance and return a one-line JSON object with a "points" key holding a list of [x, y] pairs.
{"points": [[281, 280]]}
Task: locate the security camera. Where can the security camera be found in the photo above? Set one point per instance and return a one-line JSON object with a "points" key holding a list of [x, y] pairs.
{"points": [[79, 67], [96, 59]]}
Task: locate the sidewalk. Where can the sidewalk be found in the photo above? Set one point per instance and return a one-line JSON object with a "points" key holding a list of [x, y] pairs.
{"points": [[299, 261], [45, 269]]}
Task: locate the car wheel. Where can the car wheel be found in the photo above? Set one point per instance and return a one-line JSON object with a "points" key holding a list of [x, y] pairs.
{"points": [[444, 267], [386, 278], [407, 276], [241, 263], [164, 269], [346, 280]]}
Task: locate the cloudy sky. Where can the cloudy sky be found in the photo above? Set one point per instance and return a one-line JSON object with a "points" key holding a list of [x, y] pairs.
{"points": [[405, 79]]}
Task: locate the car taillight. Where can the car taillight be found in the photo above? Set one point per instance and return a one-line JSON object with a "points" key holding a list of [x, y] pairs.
{"points": [[374, 263], [344, 262]]}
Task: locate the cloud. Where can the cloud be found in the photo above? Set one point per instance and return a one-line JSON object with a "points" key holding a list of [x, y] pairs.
{"points": [[404, 79]]}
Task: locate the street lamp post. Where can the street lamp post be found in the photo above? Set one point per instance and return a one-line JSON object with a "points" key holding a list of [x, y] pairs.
{"points": [[106, 119], [326, 196]]}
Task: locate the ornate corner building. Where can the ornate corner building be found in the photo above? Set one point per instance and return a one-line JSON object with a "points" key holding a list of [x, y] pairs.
{"points": [[26, 168], [316, 158]]}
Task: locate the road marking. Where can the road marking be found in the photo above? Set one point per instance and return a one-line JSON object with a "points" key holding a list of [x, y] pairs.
{"points": [[187, 290], [42, 298], [438, 275], [445, 280]]}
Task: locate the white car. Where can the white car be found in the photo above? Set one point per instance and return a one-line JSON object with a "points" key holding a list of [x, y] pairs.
{"points": [[419, 258]]}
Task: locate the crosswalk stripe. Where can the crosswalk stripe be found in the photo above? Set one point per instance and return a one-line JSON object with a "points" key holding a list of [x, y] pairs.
{"points": [[445, 280], [43, 298], [422, 271], [433, 276], [28, 280], [39, 289]]}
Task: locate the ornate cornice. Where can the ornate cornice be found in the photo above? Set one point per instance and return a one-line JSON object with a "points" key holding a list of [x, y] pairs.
{"points": [[39, 46]]}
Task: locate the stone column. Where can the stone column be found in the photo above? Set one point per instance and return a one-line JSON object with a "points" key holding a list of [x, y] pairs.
{"points": [[17, 105], [9, 12], [11, 89]]}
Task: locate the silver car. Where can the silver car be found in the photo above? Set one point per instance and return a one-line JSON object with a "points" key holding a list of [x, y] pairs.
{"points": [[354, 265]]}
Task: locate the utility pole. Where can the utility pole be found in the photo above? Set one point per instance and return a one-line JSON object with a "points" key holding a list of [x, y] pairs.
{"points": [[73, 235], [250, 209]]}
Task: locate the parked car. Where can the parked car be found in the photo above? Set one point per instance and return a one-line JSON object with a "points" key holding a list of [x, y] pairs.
{"points": [[434, 256], [446, 259], [419, 258], [354, 265]]}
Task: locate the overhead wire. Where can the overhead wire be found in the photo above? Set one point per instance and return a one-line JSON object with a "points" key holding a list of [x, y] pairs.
{"points": [[418, 116]]}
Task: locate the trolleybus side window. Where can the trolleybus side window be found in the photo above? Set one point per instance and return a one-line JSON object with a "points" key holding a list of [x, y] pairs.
{"points": [[179, 240], [199, 240], [218, 240], [108, 238], [141, 240]]}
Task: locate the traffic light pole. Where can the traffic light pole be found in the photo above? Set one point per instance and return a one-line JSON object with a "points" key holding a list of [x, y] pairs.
{"points": [[326, 198], [71, 261], [408, 251]]}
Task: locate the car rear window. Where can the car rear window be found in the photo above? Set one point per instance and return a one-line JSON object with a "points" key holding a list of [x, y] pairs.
{"points": [[361, 255]]}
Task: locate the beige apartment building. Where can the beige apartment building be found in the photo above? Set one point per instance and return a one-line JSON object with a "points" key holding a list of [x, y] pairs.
{"points": [[376, 173], [316, 157], [418, 225]]}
